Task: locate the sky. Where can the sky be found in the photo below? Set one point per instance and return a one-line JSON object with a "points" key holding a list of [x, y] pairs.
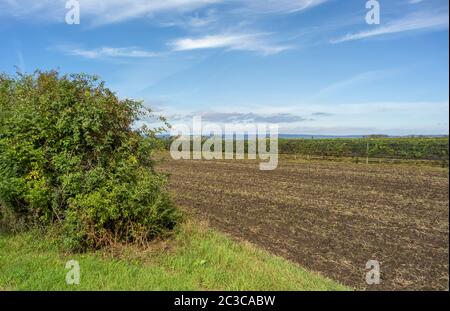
{"points": [[311, 66]]}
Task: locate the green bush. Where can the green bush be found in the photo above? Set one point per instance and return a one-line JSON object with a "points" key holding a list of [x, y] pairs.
{"points": [[69, 156]]}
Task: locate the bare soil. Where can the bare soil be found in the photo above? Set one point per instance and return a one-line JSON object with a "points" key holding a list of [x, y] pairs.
{"points": [[329, 217]]}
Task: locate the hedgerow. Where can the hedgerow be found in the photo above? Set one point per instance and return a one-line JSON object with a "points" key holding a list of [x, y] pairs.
{"points": [[417, 148], [70, 158], [411, 148]]}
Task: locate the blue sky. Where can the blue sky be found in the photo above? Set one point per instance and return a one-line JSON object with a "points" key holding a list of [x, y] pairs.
{"points": [[313, 66]]}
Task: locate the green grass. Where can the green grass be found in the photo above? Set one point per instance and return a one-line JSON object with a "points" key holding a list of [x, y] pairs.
{"points": [[196, 258]]}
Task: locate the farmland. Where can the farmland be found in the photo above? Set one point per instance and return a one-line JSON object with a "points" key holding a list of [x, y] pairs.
{"points": [[329, 217]]}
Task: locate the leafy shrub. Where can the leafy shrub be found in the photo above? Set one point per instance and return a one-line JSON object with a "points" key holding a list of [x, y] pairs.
{"points": [[69, 155]]}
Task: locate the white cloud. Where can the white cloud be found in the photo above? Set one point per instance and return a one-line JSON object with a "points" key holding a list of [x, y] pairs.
{"points": [[236, 117], [247, 42], [201, 21], [110, 52], [113, 11], [410, 23], [280, 6], [336, 119], [351, 81], [101, 12]]}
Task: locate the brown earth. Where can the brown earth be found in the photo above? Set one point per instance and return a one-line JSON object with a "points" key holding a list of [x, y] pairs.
{"points": [[329, 217]]}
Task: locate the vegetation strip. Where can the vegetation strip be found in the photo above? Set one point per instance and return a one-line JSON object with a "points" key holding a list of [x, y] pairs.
{"points": [[195, 258]]}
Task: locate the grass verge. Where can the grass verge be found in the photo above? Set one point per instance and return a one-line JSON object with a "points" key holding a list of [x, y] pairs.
{"points": [[196, 258]]}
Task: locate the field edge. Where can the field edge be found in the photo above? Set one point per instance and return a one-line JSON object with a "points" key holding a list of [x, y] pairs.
{"points": [[195, 258]]}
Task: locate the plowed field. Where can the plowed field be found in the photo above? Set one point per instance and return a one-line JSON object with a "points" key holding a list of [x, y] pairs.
{"points": [[329, 217]]}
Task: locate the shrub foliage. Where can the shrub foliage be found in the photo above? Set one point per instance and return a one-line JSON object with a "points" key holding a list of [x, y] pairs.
{"points": [[69, 155]]}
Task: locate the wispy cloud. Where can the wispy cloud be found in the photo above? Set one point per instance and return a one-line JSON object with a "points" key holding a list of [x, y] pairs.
{"points": [[351, 81], [201, 21], [103, 12], [257, 42], [279, 6], [243, 117], [401, 117], [110, 52], [322, 114], [113, 11], [410, 23], [100, 11]]}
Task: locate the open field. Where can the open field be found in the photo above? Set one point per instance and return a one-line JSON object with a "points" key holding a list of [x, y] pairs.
{"points": [[330, 217], [195, 258]]}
